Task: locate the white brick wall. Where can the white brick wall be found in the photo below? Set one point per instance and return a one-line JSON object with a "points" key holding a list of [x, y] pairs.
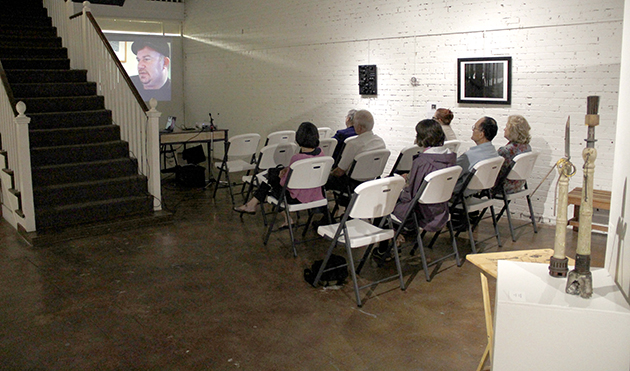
{"points": [[266, 66]]}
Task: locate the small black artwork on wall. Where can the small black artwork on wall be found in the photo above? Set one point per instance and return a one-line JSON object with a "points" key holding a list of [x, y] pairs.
{"points": [[367, 79], [484, 80]]}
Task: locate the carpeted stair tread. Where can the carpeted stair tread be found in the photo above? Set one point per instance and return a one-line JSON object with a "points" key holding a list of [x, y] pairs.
{"points": [[86, 152], [45, 76], [19, 19], [83, 171], [27, 30], [35, 63], [54, 89], [63, 104], [8, 51], [89, 212], [102, 189], [56, 120], [71, 136], [32, 41]]}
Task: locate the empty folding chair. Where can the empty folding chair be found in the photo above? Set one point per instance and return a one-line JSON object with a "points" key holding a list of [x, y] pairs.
{"points": [[280, 136], [453, 145], [325, 132], [370, 200], [521, 170], [303, 174], [405, 159], [436, 188], [240, 155], [269, 157], [328, 145], [479, 182]]}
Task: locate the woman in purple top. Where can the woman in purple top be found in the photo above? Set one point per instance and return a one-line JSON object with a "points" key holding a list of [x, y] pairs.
{"points": [[517, 134], [307, 137], [435, 156]]}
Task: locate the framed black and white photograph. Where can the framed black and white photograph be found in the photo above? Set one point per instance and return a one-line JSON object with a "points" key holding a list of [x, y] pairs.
{"points": [[484, 80]]}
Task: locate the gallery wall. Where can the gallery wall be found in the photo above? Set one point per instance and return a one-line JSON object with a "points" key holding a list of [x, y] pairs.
{"points": [[268, 66]]}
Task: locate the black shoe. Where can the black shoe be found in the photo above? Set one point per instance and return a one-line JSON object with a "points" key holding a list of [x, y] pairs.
{"points": [[381, 257]]}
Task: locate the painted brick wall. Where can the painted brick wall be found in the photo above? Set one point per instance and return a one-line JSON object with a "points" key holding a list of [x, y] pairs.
{"points": [[266, 66]]}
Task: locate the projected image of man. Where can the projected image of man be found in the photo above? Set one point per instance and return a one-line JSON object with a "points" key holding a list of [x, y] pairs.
{"points": [[153, 59]]}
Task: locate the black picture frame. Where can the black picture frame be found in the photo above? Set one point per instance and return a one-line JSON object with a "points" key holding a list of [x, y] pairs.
{"points": [[484, 80]]}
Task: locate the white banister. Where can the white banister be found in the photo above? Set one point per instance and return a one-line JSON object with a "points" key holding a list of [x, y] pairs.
{"points": [[154, 147], [24, 181]]}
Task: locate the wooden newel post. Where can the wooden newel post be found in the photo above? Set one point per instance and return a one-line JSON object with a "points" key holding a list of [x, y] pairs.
{"points": [[580, 281]]}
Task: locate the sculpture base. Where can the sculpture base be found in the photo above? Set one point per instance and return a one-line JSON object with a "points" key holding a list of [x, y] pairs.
{"points": [[558, 267], [580, 281]]}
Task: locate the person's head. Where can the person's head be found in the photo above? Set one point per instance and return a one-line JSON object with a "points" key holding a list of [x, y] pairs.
{"points": [[363, 121], [307, 135], [429, 133], [153, 62], [350, 117], [517, 130], [444, 116], [484, 130]]}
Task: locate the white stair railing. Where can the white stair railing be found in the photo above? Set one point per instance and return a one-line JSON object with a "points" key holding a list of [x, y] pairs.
{"points": [[88, 49], [15, 175]]}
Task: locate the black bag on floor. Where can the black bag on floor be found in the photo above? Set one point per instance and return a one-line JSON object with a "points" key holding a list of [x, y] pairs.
{"points": [[337, 275], [191, 176]]}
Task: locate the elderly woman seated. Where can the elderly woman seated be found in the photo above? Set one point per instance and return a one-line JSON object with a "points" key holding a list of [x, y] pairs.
{"points": [[307, 137], [517, 134], [431, 218]]}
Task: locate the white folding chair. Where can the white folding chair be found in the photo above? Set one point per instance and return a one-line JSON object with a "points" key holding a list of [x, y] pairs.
{"points": [[371, 199], [269, 157], [303, 174], [325, 132], [280, 136], [480, 181], [521, 170], [240, 155], [436, 188], [365, 166], [405, 159], [453, 145], [328, 145]]}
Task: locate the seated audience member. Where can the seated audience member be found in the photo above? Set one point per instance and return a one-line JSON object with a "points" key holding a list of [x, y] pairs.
{"points": [[517, 133], [366, 140], [431, 218], [483, 131], [342, 134], [444, 116], [307, 137]]}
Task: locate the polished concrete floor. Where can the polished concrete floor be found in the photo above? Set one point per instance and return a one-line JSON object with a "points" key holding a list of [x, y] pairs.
{"points": [[203, 293]]}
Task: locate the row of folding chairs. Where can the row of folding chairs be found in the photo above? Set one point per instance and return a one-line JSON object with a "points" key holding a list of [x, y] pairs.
{"points": [[241, 155], [377, 199]]}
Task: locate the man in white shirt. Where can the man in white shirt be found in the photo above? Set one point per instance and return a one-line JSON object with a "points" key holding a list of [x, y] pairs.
{"points": [[365, 140]]}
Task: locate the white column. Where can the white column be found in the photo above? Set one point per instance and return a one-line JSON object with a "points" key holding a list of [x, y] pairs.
{"points": [[617, 251], [25, 180], [153, 154]]}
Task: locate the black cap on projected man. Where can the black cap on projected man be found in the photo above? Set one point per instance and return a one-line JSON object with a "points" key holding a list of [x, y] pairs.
{"points": [[154, 61]]}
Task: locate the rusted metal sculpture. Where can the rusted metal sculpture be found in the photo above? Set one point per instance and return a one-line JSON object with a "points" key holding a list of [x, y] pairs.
{"points": [[558, 264], [580, 280]]}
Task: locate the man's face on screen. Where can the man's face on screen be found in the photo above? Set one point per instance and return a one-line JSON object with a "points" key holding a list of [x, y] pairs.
{"points": [[152, 68]]}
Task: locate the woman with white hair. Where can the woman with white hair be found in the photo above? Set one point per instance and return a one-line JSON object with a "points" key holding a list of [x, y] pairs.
{"points": [[517, 133]]}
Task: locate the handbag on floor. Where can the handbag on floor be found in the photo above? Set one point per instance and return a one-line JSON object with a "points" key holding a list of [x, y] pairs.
{"points": [[336, 276]]}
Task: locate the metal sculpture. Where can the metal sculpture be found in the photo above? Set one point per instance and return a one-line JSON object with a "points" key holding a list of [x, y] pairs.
{"points": [[558, 264], [580, 280]]}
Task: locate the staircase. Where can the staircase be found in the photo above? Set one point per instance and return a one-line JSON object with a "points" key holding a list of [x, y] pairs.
{"points": [[81, 169]]}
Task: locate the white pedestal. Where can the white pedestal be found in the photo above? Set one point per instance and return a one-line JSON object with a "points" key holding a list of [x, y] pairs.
{"points": [[540, 327]]}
